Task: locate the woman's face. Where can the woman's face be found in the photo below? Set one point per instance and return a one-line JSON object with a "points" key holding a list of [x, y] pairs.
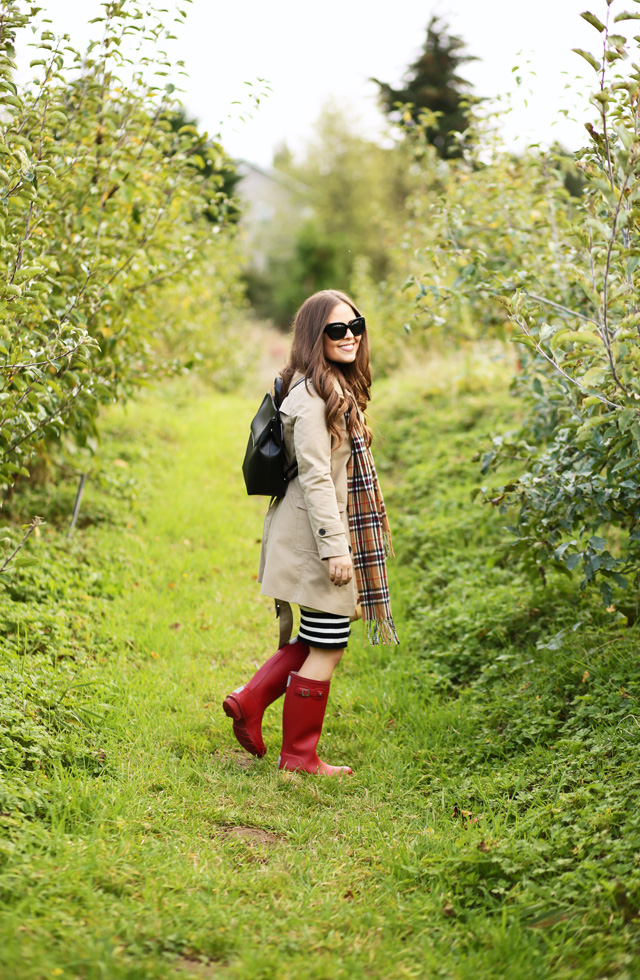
{"points": [[341, 351]]}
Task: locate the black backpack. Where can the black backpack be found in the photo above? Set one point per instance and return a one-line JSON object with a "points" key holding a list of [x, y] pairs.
{"points": [[264, 468]]}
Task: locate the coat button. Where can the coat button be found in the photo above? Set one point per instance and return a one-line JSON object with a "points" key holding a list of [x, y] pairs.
{"points": [[322, 531]]}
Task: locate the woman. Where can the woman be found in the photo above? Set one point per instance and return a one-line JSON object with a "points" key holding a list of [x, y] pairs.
{"points": [[324, 543]]}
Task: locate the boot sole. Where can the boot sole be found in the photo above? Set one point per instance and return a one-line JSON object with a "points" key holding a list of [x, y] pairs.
{"points": [[233, 710], [339, 771]]}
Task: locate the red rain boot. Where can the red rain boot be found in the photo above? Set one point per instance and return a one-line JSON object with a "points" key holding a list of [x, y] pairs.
{"points": [[247, 704], [302, 715]]}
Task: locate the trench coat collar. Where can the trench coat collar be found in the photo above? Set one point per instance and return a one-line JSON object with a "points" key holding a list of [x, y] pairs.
{"points": [[299, 375]]}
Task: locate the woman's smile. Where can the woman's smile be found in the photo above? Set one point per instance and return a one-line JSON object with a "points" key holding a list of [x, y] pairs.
{"points": [[341, 351]]}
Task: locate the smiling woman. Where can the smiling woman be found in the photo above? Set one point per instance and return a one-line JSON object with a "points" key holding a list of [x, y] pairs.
{"points": [[324, 543], [341, 340]]}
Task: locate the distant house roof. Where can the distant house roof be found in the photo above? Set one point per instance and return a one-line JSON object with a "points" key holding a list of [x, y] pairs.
{"points": [[276, 176]]}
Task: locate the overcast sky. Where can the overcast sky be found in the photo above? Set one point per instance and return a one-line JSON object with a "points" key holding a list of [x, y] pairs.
{"points": [[309, 52]]}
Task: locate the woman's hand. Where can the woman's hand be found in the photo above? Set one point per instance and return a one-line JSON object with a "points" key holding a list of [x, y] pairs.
{"points": [[341, 569]]}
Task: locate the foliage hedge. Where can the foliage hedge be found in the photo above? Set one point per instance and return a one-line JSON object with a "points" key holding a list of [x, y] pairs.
{"points": [[52, 698], [532, 691], [504, 249], [102, 204]]}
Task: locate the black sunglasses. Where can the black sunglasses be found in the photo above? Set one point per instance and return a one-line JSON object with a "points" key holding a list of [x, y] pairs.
{"points": [[338, 331]]}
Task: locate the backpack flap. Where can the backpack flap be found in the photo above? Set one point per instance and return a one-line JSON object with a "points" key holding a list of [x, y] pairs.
{"points": [[263, 466], [266, 423]]}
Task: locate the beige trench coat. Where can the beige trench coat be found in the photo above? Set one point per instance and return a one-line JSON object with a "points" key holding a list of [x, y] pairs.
{"points": [[310, 523]]}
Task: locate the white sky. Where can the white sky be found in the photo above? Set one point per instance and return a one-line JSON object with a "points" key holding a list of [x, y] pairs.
{"points": [[311, 51]]}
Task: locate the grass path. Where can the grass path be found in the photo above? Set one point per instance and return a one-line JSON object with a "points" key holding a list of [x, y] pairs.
{"points": [[187, 858], [186, 849]]}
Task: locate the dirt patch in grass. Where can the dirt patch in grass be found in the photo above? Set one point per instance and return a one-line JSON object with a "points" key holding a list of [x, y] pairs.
{"points": [[239, 758], [199, 970], [252, 835]]}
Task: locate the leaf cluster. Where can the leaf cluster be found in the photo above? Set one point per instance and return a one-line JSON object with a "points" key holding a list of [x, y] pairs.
{"points": [[530, 770], [511, 253], [102, 201]]}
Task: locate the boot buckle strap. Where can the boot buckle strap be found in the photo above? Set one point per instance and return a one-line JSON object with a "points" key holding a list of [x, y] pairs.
{"points": [[305, 692]]}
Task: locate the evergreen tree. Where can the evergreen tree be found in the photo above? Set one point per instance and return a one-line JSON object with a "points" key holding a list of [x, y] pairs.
{"points": [[432, 82]]}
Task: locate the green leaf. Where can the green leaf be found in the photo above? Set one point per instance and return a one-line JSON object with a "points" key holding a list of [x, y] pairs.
{"points": [[12, 100], [487, 459], [557, 338], [606, 593], [626, 136], [582, 338], [594, 376], [555, 643], [525, 341], [592, 566], [627, 415], [631, 320], [625, 15], [593, 20], [597, 543], [588, 57], [560, 550], [24, 562]]}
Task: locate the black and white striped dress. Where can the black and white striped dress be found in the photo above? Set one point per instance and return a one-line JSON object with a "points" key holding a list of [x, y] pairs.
{"points": [[323, 630]]}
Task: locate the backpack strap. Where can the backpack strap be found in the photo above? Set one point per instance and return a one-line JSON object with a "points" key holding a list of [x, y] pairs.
{"points": [[277, 389], [292, 470]]}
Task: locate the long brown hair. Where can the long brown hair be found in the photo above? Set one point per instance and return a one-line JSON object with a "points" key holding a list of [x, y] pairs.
{"points": [[307, 357]]}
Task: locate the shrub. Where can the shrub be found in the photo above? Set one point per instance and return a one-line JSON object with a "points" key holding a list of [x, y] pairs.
{"points": [[512, 252], [102, 203]]}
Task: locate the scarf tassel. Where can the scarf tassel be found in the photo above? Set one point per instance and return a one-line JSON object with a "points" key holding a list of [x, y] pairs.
{"points": [[380, 631]]}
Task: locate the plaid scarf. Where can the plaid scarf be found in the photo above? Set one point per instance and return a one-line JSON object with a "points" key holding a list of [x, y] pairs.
{"points": [[371, 540]]}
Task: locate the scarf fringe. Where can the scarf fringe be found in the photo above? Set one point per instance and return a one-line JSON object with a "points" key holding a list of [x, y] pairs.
{"points": [[380, 631]]}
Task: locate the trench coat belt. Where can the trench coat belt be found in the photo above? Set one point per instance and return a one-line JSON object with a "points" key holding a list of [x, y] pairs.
{"points": [[284, 614]]}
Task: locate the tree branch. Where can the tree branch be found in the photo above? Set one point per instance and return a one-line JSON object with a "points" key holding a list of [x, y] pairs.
{"points": [[525, 329]]}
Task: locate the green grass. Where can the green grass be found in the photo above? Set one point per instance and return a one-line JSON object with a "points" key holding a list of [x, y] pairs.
{"points": [[491, 828]]}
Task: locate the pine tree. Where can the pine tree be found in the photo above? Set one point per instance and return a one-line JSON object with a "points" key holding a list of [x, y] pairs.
{"points": [[432, 82]]}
